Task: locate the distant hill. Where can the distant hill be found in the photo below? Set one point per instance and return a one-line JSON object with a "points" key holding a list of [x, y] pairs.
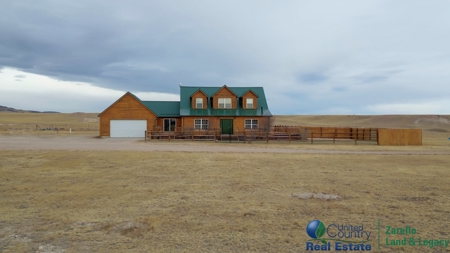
{"points": [[10, 109], [433, 123]]}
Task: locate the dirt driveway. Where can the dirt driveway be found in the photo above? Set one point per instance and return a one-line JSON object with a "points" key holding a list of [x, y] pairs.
{"points": [[85, 143]]}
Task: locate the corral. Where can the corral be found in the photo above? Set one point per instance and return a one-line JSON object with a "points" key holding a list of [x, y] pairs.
{"points": [[383, 136]]}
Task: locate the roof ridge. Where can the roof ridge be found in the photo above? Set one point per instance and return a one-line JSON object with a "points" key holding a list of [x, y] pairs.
{"points": [[221, 87], [158, 101]]}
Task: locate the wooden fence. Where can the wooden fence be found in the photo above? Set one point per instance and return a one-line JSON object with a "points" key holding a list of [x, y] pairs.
{"points": [[50, 127], [215, 134], [293, 133], [399, 137], [352, 133]]}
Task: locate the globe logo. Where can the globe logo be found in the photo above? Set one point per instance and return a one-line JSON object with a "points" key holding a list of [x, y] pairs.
{"points": [[315, 229]]}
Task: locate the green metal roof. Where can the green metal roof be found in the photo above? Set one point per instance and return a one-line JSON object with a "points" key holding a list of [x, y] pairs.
{"points": [[164, 108], [187, 91], [183, 108]]}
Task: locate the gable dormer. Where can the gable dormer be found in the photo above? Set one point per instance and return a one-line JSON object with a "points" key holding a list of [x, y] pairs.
{"points": [[224, 98], [250, 100], [199, 100]]}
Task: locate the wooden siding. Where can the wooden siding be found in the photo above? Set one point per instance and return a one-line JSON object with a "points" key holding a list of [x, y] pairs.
{"points": [[159, 125], [214, 122], [224, 93], [126, 108], [399, 137], [201, 95], [249, 94]]}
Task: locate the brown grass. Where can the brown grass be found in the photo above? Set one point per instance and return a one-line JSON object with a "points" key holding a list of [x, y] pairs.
{"points": [[129, 201], [210, 202], [432, 123], [26, 122]]}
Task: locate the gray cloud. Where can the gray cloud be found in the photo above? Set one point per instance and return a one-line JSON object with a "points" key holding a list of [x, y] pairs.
{"points": [[312, 78], [329, 54]]}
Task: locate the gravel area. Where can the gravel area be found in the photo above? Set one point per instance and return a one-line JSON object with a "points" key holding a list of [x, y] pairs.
{"points": [[85, 143]]}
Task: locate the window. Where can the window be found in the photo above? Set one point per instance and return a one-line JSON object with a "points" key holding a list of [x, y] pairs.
{"points": [[225, 103], [249, 103], [201, 124], [251, 124], [199, 103], [169, 125]]}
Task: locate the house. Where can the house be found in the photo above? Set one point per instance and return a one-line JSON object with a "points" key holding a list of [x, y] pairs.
{"points": [[226, 109]]}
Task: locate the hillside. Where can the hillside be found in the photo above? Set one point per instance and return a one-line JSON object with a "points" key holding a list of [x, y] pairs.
{"points": [[57, 119], [430, 123], [10, 109], [433, 123]]}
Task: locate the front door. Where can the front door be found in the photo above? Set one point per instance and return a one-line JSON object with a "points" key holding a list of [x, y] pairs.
{"points": [[227, 126], [169, 125]]}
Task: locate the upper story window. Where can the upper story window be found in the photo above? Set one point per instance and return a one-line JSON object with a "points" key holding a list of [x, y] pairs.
{"points": [[225, 103], [249, 103], [199, 103]]}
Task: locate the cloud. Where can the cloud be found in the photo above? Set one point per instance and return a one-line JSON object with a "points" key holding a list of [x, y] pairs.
{"points": [[317, 55], [38, 92], [429, 107], [312, 78]]}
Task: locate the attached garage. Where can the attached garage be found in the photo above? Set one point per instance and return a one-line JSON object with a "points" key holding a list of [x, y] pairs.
{"points": [[128, 128], [131, 117]]}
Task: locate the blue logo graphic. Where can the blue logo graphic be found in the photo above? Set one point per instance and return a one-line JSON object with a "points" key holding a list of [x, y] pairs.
{"points": [[315, 229]]}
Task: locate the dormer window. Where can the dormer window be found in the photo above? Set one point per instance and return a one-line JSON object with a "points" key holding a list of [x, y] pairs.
{"points": [[199, 103], [225, 103], [249, 103]]}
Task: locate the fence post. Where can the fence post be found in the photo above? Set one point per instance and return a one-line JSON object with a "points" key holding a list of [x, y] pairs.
{"points": [[267, 137], [289, 137], [245, 136], [169, 135], [378, 136], [334, 136], [145, 139], [312, 137]]}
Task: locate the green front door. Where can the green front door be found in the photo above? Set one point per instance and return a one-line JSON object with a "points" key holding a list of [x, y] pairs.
{"points": [[227, 126]]}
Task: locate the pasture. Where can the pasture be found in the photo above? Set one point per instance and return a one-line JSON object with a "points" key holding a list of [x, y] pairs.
{"points": [[104, 195]]}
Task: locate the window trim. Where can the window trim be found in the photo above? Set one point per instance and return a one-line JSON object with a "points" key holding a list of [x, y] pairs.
{"points": [[202, 125], [254, 124], [197, 103], [247, 103], [224, 103], [171, 127]]}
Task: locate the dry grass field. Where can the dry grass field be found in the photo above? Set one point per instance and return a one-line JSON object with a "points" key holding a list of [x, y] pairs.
{"points": [[100, 200], [117, 201], [26, 122]]}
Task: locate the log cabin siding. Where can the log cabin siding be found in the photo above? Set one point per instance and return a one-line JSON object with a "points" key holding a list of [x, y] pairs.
{"points": [[224, 93], [249, 94], [126, 108], [201, 95], [214, 122]]}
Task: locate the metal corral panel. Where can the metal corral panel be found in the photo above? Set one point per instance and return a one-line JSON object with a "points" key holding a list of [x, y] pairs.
{"points": [[128, 128]]}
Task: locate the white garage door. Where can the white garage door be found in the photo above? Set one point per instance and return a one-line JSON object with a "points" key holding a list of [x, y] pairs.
{"points": [[128, 128]]}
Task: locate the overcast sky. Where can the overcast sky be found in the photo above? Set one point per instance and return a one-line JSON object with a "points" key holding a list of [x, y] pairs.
{"points": [[311, 57]]}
